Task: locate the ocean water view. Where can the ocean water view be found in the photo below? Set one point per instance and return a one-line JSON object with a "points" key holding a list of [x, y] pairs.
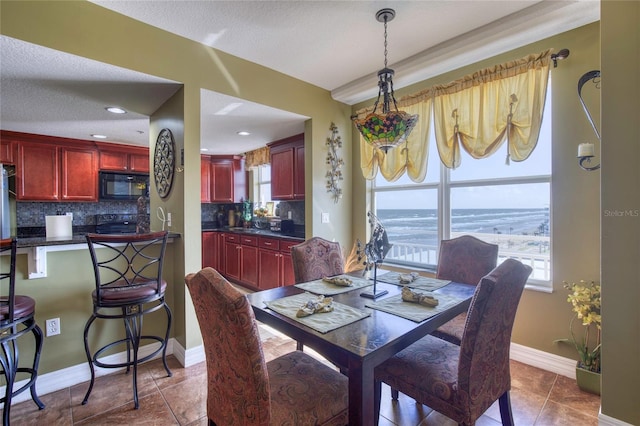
{"points": [[520, 233]]}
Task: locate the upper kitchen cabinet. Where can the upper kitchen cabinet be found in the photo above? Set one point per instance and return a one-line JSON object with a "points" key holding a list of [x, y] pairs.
{"points": [[7, 151], [223, 179], [56, 172], [123, 158], [287, 168]]}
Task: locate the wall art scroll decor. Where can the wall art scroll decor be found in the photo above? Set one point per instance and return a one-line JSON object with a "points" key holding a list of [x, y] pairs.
{"points": [[334, 175], [164, 160]]}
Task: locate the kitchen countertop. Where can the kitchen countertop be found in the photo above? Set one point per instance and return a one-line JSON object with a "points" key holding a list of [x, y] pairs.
{"points": [[252, 231], [80, 238]]}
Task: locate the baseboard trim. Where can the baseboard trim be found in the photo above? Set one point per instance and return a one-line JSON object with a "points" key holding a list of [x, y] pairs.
{"points": [[544, 360], [71, 376]]}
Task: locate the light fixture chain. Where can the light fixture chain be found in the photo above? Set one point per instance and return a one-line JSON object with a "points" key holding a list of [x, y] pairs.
{"points": [[385, 41]]}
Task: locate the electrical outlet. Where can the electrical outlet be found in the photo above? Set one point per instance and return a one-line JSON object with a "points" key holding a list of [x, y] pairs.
{"points": [[168, 219], [53, 326]]}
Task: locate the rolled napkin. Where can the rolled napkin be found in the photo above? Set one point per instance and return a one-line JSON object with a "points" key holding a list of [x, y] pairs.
{"points": [[408, 278], [409, 295], [341, 281], [318, 305]]}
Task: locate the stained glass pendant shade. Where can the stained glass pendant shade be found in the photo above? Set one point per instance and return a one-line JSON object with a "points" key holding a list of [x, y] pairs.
{"points": [[391, 128]]}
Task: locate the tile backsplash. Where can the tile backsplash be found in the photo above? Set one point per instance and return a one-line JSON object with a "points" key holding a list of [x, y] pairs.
{"points": [[31, 214]]}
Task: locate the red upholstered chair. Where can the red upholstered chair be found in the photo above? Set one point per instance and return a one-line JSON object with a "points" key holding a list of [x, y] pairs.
{"points": [[243, 389], [465, 259], [129, 285], [316, 258], [17, 318], [461, 382]]}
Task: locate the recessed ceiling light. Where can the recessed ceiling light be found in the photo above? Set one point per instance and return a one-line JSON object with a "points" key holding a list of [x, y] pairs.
{"points": [[99, 136], [116, 110], [244, 133]]}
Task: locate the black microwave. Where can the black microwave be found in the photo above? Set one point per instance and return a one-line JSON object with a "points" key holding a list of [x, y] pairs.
{"points": [[123, 186]]}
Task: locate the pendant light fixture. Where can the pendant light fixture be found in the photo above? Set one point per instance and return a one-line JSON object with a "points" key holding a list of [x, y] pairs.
{"points": [[391, 128]]}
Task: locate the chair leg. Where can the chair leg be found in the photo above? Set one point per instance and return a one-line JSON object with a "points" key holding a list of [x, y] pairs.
{"points": [[299, 346], [377, 396], [8, 367], [394, 394], [133, 326], [505, 409], [166, 340], [89, 358], [37, 332]]}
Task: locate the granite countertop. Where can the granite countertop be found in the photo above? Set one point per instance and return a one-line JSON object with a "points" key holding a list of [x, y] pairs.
{"points": [[252, 231], [77, 238]]}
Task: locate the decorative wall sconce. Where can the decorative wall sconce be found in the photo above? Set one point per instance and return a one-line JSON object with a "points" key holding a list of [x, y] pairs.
{"points": [[334, 175], [586, 151]]}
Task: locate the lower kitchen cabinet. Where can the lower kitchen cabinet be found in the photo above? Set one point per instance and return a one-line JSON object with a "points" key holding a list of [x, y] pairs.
{"points": [[240, 257], [276, 267], [210, 249]]}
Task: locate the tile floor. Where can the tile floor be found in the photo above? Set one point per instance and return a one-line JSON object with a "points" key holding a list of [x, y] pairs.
{"points": [[537, 396]]}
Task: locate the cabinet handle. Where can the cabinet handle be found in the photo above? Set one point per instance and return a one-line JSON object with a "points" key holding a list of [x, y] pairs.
{"points": [[267, 244]]}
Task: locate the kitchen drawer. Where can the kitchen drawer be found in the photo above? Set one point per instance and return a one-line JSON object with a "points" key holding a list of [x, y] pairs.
{"points": [[249, 240], [269, 243], [285, 245], [231, 238]]}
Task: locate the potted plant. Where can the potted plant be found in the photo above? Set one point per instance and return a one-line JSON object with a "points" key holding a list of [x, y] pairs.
{"points": [[585, 301]]}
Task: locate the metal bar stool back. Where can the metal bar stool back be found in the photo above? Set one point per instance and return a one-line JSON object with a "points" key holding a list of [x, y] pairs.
{"points": [[17, 317], [128, 286]]}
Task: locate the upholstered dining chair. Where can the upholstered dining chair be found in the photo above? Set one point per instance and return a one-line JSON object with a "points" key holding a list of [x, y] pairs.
{"points": [[243, 389], [461, 382], [464, 259], [128, 286], [17, 318], [316, 258]]}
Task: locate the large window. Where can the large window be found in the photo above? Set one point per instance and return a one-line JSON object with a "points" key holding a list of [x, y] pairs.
{"points": [[508, 205]]}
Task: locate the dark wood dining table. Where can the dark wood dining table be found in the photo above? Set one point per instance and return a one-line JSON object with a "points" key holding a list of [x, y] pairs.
{"points": [[362, 345]]}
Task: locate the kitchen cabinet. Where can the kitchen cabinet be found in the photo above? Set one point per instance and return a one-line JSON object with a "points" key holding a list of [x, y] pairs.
{"points": [[287, 168], [126, 159], [222, 179], [50, 172], [241, 258], [210, 249], [274, 260], [6, 151]]}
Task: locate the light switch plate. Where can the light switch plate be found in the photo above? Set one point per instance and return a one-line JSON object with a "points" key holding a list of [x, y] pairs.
{"points": [[325, 217]]}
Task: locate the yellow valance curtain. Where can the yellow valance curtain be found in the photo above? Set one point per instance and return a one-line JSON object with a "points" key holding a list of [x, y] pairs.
{"points": [[410, 156], [479, 111], [257, 157]]}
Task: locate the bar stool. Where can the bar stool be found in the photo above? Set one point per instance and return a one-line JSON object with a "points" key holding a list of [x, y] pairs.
{"points": [[16, 319], [129, 285]]}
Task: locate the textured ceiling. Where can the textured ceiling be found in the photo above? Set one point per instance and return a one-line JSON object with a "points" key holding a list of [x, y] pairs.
{"points": [[336, 45]]}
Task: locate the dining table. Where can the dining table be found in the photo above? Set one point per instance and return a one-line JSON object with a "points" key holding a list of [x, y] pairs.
{"points": [[359, 346]]}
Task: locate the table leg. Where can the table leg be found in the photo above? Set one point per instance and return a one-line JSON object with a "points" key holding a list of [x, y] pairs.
{"points": [[361, 394]]}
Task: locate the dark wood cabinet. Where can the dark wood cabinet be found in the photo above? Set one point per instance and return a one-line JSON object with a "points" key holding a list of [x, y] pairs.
{"points": [[79, 177], [210, 249], [222, 179], [52, 172], [249, 260], [126, 159], [276, 267], [231, 256], [7, 147], [288, 278], [287, 168]]}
